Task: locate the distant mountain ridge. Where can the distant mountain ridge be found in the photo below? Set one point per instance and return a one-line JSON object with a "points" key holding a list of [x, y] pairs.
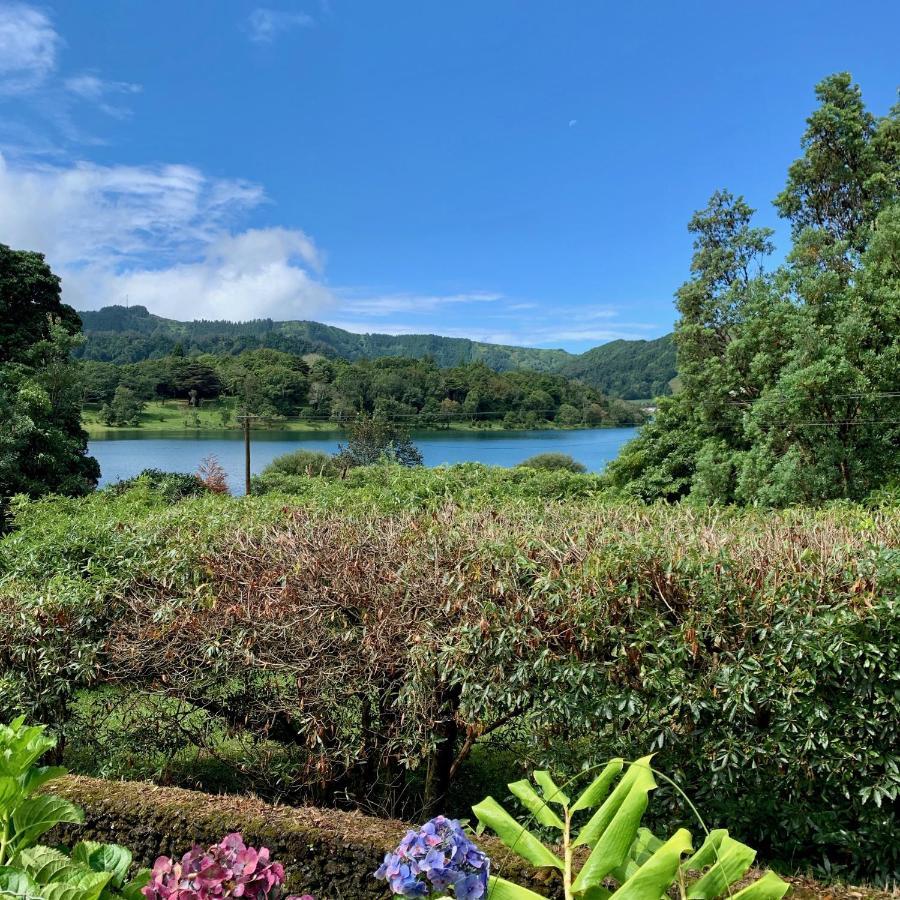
{"points": [[627, 369]]}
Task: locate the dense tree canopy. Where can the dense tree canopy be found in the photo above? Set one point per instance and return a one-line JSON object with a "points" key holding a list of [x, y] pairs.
{"points": [[416, 392], [789, 378], [42, 445]]}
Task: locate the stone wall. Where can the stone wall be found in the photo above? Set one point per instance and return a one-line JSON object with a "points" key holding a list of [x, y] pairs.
{"points": [[328, 853]]}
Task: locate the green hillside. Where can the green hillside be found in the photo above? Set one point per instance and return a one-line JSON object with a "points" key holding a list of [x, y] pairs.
{"points": [[632, 370], [119, 334]]}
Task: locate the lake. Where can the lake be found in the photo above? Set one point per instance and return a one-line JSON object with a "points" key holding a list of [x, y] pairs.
{"points": [[124, 455]]}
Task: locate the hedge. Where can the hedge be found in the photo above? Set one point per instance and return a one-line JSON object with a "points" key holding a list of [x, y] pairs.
{"points": [[358, 640], [329, 853]]}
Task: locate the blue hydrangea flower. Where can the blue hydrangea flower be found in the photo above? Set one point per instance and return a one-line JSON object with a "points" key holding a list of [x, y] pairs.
{"points": [[437, 857]]}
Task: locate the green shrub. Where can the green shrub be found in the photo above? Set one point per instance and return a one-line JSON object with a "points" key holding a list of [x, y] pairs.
{"points": [[359, 636], [171, 486], [307, 463], [553, 462]]}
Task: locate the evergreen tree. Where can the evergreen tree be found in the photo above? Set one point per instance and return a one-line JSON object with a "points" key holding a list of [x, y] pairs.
{"points": [[786, 378]]}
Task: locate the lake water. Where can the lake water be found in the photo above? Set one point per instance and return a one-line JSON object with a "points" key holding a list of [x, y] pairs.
{"points": [[123, 455]]}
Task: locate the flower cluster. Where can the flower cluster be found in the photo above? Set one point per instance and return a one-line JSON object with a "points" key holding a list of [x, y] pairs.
{"points": [[433, 859], [226, 870]]}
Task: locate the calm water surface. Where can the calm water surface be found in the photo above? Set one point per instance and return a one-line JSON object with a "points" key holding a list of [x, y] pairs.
{"points": [[126, 454]]}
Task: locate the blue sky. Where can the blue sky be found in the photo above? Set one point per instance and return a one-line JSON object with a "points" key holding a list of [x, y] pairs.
{"points": [[518, 172]]}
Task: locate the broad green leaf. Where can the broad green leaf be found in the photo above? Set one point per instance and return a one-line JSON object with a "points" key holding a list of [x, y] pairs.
{"points": [[645, 845], [16, 882], [104, 858], [598, 892], [38, 776], [37, 815], [501, 889], [87, 886], [529, 798], [132, 890], [552, 794], [654, 877], [599, 787], [514, 835], [600, 820], [708, 852], [732, 860], [616, 837], [45, 864], [10, 794], [21, 747], [769, 887]]}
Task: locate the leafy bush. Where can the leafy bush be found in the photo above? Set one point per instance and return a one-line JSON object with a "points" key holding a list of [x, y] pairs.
{"points": [[371, 440], [305, 463], [172, 486], [225, 871], [553, 462], [758, 653], [644, 866]]}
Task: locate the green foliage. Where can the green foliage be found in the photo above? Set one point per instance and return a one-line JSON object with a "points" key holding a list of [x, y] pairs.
{"points": [[29, 305], [372, 440], [553, 461], [629, 369], [417, 392], [643, 866], [788, 380], [43, 448], [757, 652], [632, 370], [124, 408], [29, 870], [306, 463], [171, 486]]}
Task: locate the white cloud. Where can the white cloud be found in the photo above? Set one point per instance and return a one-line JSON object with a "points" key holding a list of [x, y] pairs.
{"points": [[264, 25], [28, 47], [255, 274], [390, 304], [94, 89], [161, 235]]}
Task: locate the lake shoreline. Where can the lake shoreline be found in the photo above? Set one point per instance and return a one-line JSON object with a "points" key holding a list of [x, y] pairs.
{"points": [[125, 453]]}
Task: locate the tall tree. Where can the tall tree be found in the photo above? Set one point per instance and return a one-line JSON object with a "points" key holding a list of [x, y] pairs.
{"points": [[42, 445], [29, 302], [787, 378]]}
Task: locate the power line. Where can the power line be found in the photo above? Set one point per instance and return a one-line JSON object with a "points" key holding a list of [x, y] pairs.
{"points": [[880, 395]]}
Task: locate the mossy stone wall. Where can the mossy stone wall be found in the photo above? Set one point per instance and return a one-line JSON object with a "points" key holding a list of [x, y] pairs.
{"points": [[328, 853]]}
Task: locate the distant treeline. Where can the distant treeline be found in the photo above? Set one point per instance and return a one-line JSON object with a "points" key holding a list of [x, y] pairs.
{"points": [[418, 392], [628, 369]]}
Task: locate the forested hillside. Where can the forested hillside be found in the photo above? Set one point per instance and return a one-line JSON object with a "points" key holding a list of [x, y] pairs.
{"points": [[630, 369], [276, 385], [633, 370]]}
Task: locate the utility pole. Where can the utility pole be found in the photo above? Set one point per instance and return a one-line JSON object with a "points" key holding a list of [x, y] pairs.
{"points": [[246, 420]]}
